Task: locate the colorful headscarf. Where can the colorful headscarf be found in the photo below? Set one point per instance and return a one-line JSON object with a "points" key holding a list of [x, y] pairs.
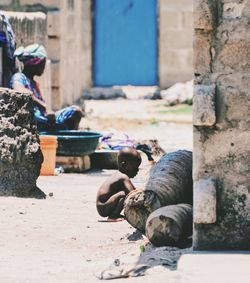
{"points": [[33, 54]]}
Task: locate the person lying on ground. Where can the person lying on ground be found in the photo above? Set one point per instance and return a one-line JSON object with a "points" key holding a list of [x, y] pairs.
{"points": [[112, 193], [33, 58]]}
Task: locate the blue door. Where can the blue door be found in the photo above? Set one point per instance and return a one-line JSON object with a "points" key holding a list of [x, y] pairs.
{"points": [[125, 42]]}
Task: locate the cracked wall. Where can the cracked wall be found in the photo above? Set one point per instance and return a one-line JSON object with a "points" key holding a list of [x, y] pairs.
{"points": [[221, 124]]}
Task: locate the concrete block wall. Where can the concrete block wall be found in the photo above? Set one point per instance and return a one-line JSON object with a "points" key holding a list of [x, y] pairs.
{"points": [[75, 49], [175, 41], [221, 110], [68, 42], [30, 27]]}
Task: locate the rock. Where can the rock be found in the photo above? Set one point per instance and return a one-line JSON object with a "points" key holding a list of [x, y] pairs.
{"points": [[20, 154], [204, 16], [178, 93], [204, 105]]}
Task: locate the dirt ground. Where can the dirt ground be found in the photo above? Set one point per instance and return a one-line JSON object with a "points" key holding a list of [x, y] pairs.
{"points": [[62, 238], [142, 119]]}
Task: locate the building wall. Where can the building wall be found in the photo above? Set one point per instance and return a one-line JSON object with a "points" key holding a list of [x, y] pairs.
{"points": [[31, 27], [28, 27], [75, 50], [221, 125], [175, 41], [68, 44]]}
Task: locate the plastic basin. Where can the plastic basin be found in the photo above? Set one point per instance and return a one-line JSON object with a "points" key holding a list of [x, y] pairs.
{"points": [[75, 143]]}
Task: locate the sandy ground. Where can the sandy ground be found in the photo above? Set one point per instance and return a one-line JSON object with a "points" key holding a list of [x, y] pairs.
{"points": [[141, 119], [62, 238]]}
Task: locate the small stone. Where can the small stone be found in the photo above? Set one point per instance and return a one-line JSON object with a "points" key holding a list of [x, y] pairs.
{"points": [[117, 262], [204, 201], [204, 105]]}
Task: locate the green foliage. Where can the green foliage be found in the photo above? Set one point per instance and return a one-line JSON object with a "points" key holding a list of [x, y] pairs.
{"points": [[153, 121], [180, 109]]}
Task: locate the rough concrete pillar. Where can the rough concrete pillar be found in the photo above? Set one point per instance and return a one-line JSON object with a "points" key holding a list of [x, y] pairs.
{"points": [[221, 125], [20, 154]]}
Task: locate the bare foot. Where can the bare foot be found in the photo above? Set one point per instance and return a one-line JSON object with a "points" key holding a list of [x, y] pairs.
{"points": [[115, 219]]}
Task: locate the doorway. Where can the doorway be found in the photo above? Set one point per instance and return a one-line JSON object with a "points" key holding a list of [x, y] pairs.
{"points": [[125, 42]]}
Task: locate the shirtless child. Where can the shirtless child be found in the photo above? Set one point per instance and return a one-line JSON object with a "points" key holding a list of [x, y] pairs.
{"points": [[112, 193]]}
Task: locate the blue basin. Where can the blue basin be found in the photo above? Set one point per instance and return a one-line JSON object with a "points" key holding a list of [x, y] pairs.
{"points": [[75, 142]]}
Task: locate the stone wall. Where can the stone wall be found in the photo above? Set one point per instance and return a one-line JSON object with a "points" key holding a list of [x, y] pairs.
{"points": [[175, 41], [221, 125]]}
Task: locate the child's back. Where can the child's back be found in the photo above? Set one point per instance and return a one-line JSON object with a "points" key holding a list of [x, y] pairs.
{"points": [[113, 191]]}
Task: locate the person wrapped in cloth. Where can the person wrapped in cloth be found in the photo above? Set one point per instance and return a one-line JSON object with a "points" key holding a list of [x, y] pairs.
{"points": [[33, 58]]}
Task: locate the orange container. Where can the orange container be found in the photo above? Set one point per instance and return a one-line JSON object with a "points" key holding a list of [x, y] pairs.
{"points": [[48, 146]]}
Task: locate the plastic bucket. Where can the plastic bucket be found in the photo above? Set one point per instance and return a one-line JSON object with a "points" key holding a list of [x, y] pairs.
{"points": [[48, 146]]}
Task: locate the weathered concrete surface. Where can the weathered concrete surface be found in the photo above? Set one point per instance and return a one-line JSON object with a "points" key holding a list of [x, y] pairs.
{"points": [[205, 201], [62, 17], [204, 105], [205, 15], [20, 154], [29, 28], [222, 150], [175, 42]]}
